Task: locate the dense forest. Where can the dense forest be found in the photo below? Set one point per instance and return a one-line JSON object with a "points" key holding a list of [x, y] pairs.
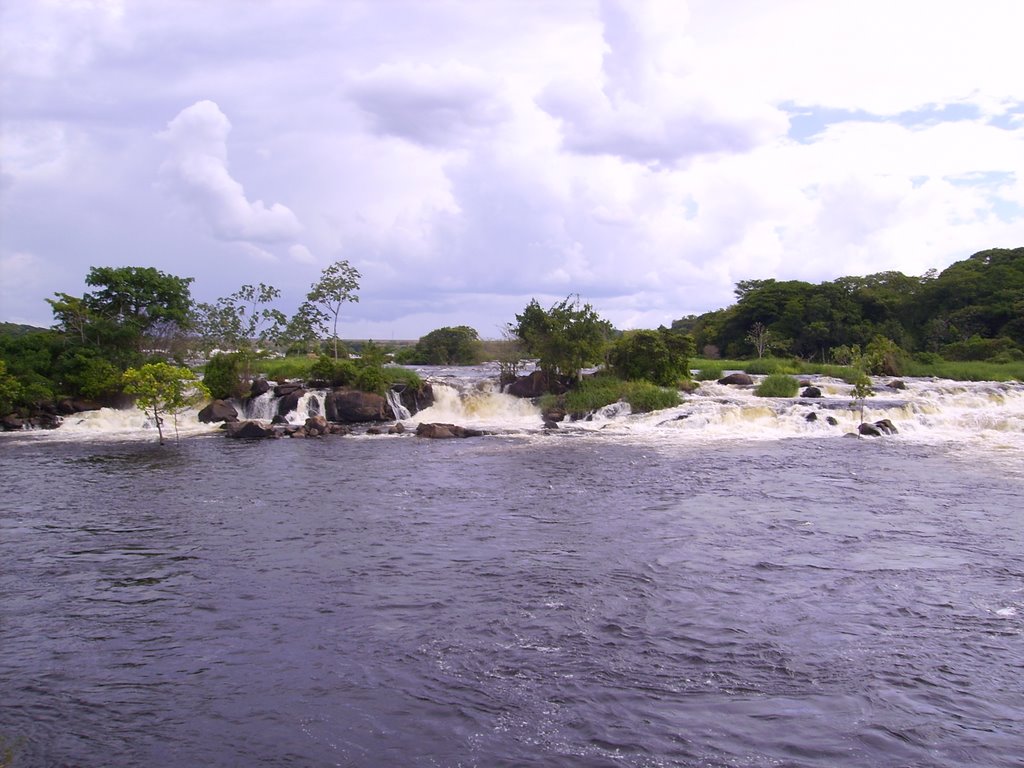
{"points": [[973, 310]]}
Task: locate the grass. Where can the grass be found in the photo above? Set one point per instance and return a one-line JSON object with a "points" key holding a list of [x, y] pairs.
{"points": [[600, 391], [943, 369], [967, 370], [777, 385], [283, 368]]}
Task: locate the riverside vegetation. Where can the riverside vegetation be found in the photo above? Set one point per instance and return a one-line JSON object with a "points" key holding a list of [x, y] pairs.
{"points": [[966, 322]]}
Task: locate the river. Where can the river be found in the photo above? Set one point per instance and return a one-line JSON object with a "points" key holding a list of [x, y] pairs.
{"points": [[680, 589]]}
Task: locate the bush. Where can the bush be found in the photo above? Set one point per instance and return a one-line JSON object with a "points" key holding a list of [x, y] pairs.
{"points": [[394, 374], [334, 373], [643, 397], [767, 366], [777, 385], [600, 391], [977, 348], [371, 379], [709, 373], [223, 376]]}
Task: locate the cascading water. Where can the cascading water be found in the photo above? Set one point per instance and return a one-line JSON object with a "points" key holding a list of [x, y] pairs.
{"points": [[395, 401]]}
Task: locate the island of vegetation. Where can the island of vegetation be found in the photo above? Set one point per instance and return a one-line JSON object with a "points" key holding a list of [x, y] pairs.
{"points": [[136, 335]]}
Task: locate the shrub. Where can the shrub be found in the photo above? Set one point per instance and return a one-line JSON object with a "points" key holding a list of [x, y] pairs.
{"points": [[642, 396], [709, 373], [777, 385], [394, 374], [371, 379], [223, 376], [336, 373], [770, 365]]}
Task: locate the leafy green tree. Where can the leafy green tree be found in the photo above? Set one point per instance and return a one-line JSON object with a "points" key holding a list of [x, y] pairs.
{"points": [[337, 285], [458, 345], [161, 389], [861, 392], [243, 321], [565, 338], [661, 357], [223, 376], [10, 389], [300, 335]]}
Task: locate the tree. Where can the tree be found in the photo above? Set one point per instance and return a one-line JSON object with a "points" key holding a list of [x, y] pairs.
{"points": [[459, 345], [760, 337], [861, 392], [161, 388], [661, 357], [242, 321], [10, 389], [565, 338], [300, 334], [337, 285]]}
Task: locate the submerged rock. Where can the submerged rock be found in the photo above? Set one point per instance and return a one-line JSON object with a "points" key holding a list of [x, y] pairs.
{"points": [[248, 430], [445, 431], [811, 392], [879, 428]]}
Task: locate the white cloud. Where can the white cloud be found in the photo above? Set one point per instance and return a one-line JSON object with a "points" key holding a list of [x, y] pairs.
{"points": [[197, 171]]}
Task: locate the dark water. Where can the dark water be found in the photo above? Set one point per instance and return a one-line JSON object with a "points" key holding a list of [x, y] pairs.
{"points": [[498, 602]]}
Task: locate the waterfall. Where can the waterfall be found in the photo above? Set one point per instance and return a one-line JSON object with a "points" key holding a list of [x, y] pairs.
{"points": [[262, 408], [395, 401]]}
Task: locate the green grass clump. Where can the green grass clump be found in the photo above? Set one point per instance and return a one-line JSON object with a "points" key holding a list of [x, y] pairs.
{"points": [[282, 368], [600, 391], [777, 385], [967, 370], [709, 372], [766, 366], [394, 374]]}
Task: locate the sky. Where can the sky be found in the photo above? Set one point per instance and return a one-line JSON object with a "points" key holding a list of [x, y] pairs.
{"points": [[469, 155]]}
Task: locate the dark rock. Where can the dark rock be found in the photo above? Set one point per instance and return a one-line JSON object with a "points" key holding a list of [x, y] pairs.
{"points": [[314, 406], [316, 426], [397, 429], [536, 384], [352, 406], [218, 410], [290, 400], [549, 424], [812, 416], [279, 419], [375, 431], [12, 423], [250, 430], [886, 426], [70, 405], [554, 413], [287, 388], [869, 430], [741, 379], [811, 392], [896, 384], [832, 421], [339, 429], [259, 387], [415, 399], [445, 431]]}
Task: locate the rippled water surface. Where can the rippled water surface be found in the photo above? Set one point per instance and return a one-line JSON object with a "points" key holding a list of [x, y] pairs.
{"points": [[508, 602]]}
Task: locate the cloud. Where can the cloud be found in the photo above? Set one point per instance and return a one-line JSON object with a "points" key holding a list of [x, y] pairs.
{"points": [[436, 106], [196, 170]]}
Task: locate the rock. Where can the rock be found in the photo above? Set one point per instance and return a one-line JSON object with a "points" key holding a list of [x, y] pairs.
{"points": [[259, 387], [70, 405], [554, 413], [397, 429], [218, 410], [740, 379], [249, 430], [415, 399], [812, 416], [375, 431], [12, 423], [896, 384], [339, 429], [536, 384], [287, 388], [804, 383], [314, 406], [316, 426], [886, 426], [549, 424], [445, 431], [832, 421], [811, 392], [352, 406], [279, 419], [290, 400]]}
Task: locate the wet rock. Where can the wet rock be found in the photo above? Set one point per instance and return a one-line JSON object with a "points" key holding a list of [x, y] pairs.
{"points": [[879, 428], [445, 431], [415, 399], [70, 405], [351, 406], [536, 384], [869, 430], [811, 392], [248, 430], [12, 423], [290, 399], [832, 421], [740, 379], [259, 387], [812, 416], [397, 429], [549, 424], [218, 410], [316, 426], [887, 427], [896, 384]]}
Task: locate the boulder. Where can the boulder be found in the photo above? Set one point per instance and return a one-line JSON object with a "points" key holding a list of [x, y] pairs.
{"points": [[869, 430], [415, 399], [554, 413], [259, 387], [397, 429], [832, 421], [812, 416], [896, 384], [879, 428], [279, 419], [290, 400], [351, 406], [549, 424], [70, 405], [811, 392], [287, 388], [316, 426], [739, 379], [249, 430], [887, 427], [445, 431], [12, 423], [536, 384], [218, 410]]}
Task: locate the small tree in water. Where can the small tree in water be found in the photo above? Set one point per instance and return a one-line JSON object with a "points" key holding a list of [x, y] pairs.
{"points": [[161, 388], [861, 392]]}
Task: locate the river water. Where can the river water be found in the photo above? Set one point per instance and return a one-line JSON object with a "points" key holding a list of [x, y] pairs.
{"points": [[639, 591]]}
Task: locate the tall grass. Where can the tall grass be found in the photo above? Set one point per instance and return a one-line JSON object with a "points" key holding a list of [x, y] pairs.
{"points": [[967, 370], [777, 385], [600, 391]]}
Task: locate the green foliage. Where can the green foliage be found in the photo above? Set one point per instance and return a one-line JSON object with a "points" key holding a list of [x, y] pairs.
{"points": [[10, 390], [599, 391], [371, 378], [977, 348], [458, 345], [223, 376], [766, 366], [565, 338], [661, 357], [777, 385], [394, 374], [241, 321], [91, 376], [967, 370], [161, 388], [883, 357], [862, 390], [337, 285], [336, 373], [709, 372]]}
